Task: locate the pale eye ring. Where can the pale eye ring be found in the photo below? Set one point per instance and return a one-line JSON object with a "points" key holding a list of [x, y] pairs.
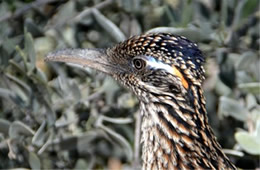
{"points": [[139, 64]]}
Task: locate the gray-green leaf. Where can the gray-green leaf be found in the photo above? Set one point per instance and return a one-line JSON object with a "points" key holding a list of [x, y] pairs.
{"points": [[250, 87], [29, 49], [18, 128], [230, 107], [248, 142], [34, 161], [38, 138]]}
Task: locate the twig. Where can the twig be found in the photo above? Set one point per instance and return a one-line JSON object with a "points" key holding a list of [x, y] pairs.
{"points": [[233, 152], [120, 139], [88, 11], [117, 120], [11, 153], [108, 25], [25, 8]]}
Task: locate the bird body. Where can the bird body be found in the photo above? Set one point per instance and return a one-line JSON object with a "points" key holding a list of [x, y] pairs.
{"points": [[166, 73]]}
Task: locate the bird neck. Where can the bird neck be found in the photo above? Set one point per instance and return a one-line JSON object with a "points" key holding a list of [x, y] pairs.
{"points": [[176, 134]]}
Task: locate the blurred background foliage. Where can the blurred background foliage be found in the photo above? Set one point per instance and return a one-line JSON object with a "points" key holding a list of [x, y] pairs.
{"points": [[57, 116]]}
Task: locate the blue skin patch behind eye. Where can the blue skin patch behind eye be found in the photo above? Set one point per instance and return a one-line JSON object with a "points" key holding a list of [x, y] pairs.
{"points": [[153, 63]]}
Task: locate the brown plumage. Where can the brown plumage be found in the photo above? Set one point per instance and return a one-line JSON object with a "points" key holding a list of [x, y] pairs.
{"points": [[165, 72]]}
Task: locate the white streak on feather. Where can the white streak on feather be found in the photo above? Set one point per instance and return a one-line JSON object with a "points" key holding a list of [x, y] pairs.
{"points": [[159, 65]]}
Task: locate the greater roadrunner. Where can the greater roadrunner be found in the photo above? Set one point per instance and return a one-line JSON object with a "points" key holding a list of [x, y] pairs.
{"points": [[165, 72]]}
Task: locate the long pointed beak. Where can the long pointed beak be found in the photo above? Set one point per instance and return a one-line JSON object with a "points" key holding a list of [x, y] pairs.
{"points": [[93, 58]]}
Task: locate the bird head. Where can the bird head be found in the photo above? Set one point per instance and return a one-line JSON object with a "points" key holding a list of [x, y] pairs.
{"points": [[149, 64]]}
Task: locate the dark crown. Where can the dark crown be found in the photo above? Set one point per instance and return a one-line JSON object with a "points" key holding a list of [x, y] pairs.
{"points": [[167, 48]]}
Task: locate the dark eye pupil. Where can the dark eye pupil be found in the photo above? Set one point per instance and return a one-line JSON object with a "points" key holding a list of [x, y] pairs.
{"points": [[139, 64]]}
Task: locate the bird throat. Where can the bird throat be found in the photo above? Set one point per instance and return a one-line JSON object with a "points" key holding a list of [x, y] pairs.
{"points": [[176, 135]]}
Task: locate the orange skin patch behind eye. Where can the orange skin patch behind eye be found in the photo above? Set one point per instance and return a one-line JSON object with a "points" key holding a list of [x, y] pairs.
{"points": [[179, 74]]}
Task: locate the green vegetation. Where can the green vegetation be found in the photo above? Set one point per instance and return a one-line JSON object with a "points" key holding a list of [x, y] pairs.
{"points": [[55, 115]]}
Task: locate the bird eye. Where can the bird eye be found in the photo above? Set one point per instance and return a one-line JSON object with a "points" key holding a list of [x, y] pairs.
{"points": [[139, 63]]}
